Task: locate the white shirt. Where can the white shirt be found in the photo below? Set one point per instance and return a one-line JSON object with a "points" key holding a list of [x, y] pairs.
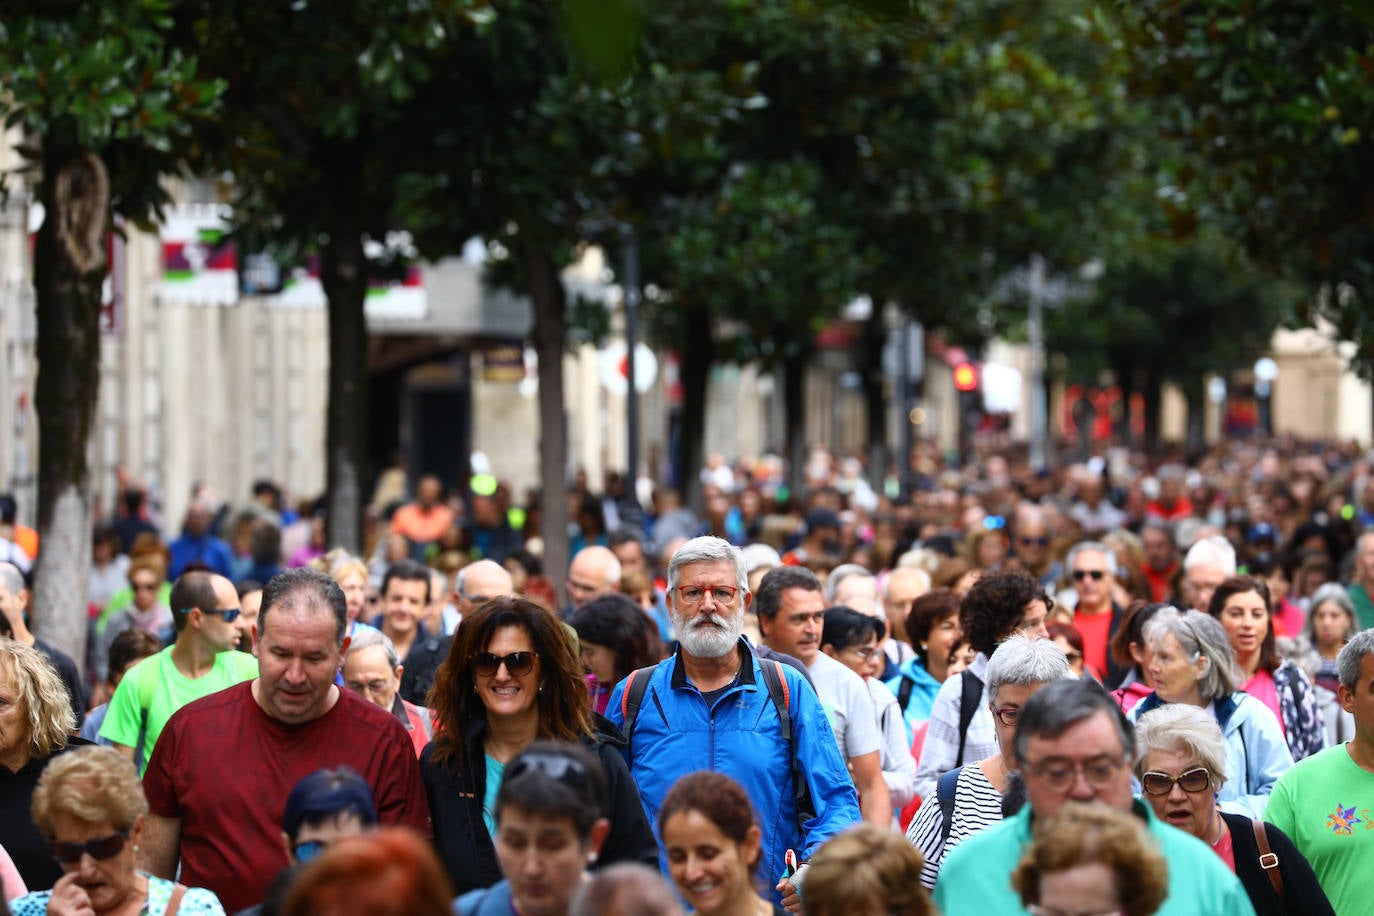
{"points": [[899, 767], [848, 705]]}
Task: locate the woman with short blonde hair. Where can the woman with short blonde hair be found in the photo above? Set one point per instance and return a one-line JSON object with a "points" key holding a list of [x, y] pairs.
{"points": [[866, 870]]}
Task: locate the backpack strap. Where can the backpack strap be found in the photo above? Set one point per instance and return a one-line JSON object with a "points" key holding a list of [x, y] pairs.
{"points": [[174, 902], [945, 791], [971, 688], [781, 694], [904, 690], [1267, 860], [636, 685]]}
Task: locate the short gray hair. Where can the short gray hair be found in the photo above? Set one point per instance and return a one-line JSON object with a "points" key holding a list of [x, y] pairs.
{"points": [[1057, 707], [1352, 655], [839, 574], [707, 549], [1108, 555], [1186, 730], [1023, 661], [367, 638], [1214, 550], [11, 578], [1333, 593], [1203, 635]]}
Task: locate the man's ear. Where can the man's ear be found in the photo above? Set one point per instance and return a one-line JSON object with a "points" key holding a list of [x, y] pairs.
{"points": [[764, 624]]}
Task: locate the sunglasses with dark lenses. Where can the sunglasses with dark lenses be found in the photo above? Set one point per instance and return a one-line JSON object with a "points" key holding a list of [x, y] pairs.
{"points": [[230, 614], [309, 850], [517, 663], [562, 769], [1038, 542], [100, 848], [1095, 574], [1195, 780]]}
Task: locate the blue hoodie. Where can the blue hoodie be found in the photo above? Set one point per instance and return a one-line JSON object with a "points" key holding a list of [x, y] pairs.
{"points": [[923, 690]]}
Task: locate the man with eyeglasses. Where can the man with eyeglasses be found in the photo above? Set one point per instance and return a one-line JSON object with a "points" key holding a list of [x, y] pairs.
{"points": [[1096, 616], [791, 617], [1073, 743], [205, 610], [710, 707], [224, 765]]}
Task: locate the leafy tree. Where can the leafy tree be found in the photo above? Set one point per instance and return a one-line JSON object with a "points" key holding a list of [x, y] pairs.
{"points": [[1271, 103], [321, 117], [108, 102]]}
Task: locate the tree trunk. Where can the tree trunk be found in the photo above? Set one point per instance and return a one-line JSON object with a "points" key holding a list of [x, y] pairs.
{"points": [[1126, 381], [794, 409], [1154, 400], [698, 353], [69, 267], [875, 403], [1196, 438], [550, 333], [343, 274]]}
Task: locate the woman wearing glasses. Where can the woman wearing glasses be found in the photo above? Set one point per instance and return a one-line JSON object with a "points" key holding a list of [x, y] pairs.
{"points": [[1191, 663], [1181, 767], [513, 677], [970, 798], [89, 806], [852, 639]]}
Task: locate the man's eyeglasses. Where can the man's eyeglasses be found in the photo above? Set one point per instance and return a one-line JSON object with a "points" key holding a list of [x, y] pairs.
{"points": [[1034, 542], [695, 594], [309, 850], [1095, 574], [230, 614], [1198, 779], [1036, 909], [1059, 775], [477, 600], [517, 663], [100, 848], [375, 687]]}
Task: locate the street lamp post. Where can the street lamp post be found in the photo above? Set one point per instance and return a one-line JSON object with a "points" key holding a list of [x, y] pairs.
{"points": [[630, 255], [1035, 294]]}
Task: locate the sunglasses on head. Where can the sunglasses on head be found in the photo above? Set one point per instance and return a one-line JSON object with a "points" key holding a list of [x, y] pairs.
{"points": [[517, 663], [1095, 574], [562, 769], [100, 848]]}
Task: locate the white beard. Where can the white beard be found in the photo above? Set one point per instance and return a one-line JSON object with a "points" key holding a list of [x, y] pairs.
{"points": [[709, 641]]}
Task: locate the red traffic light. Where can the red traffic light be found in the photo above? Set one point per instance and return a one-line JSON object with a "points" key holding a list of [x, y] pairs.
{"points": [[965, 377]]}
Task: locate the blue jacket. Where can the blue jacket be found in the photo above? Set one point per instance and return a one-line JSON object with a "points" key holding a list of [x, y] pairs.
{"points": [[206, 549], [923, 692], [675, 733], [1256, 752]]}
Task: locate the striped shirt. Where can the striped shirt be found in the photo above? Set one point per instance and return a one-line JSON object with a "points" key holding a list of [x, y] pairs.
{"points": [[941, 748], [976, 805]]}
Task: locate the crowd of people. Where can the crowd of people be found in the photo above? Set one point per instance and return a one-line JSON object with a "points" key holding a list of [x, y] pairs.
{"points": [[1115, 686]]}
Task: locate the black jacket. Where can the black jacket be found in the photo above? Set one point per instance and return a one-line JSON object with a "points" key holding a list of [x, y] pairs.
{"points": [[421, 664], [1302, 894], [455, 805]]}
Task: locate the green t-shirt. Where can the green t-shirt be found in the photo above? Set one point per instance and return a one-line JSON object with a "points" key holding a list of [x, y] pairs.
{"points": [[157, 685], [1325, 803], [1364, 607]]}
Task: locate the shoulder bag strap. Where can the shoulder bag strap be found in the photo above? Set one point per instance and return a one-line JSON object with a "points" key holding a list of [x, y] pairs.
{"points": [[1267, 860], [174, 902]]}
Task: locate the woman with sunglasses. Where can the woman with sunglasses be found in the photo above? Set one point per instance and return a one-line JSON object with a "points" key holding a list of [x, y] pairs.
{"points": [[512, 677], [89, 806], [1181, 768], [1191, 663], [550, 829]]}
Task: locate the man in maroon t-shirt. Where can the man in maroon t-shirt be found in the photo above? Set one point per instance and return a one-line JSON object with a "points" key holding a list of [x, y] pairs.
{"points": [[224, 765]]}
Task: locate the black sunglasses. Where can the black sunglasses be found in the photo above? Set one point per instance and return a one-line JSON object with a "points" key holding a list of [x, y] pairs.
{"points": [[1081, 574], [100, 848], [517, 663]]}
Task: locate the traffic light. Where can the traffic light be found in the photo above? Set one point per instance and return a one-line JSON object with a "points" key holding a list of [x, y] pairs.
{"points": [[965, 377]]}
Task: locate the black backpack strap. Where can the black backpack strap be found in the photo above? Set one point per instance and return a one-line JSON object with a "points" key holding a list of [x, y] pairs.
{"points": [[636, 685], [904, 692], [781, 695], [945, 791], [969, 698]]}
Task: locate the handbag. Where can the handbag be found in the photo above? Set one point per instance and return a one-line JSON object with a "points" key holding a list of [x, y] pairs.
{"points": [[1267, 860]]}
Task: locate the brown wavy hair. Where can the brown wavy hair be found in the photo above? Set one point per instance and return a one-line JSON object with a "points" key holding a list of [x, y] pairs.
{"points": [[565, 712]]}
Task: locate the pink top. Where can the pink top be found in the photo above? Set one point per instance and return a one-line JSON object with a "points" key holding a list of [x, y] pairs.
{"points": [[1226, 849], [1261, 687], [1288, 619]]}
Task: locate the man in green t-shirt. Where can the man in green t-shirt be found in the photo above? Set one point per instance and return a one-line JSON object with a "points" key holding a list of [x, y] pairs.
{"points": [[1362, 580], [1325, 803], [200, 662]]}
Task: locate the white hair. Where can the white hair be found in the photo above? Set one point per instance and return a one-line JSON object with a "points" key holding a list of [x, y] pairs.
{"points": [[1214, 550]]}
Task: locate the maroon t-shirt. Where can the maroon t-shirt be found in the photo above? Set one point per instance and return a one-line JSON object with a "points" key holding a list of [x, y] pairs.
{"points": [[225, 767]]}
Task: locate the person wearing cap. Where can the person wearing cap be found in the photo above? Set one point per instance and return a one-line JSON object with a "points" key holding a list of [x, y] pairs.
{"points": [[820, 537], [205, 607]]}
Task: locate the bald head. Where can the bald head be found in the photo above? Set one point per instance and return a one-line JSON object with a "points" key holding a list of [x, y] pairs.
{"points": [[903, 585], [594, 571], [482, 581]]}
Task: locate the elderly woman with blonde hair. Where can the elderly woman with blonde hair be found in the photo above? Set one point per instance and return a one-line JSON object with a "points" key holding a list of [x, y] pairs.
{"points": [[36, 721], [90, 808]]}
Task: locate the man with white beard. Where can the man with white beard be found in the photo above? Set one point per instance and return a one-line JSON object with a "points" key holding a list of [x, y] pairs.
{"points": [[714, 706]]}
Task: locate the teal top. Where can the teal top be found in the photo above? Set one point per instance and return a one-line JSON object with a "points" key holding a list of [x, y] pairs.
{"points": [[495, 770]]}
